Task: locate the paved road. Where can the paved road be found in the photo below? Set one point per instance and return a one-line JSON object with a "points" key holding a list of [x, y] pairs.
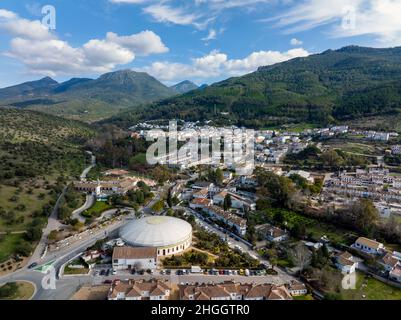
{"points": [[66, 286], [89, 201], [235, 244], [89, 168], [52, 224]]}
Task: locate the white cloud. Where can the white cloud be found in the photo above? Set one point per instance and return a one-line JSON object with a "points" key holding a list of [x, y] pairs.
{"points": [[211, 36], [217, 64], [198, 13], [42, 52], [129, 1], [179, 16], [5, 14], [296, 42], [377, 18], [144, 43]]}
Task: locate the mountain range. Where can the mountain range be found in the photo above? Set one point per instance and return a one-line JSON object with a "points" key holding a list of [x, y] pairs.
{"points": [[336, 85], [87, 99], [184, 87]]}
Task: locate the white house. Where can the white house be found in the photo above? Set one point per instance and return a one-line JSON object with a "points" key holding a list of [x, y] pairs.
{"points": [[275, 234], [139, 290], [297, 289], [141, 258], [345, 263], [237, 202], [368, 246], [200, 203], [389, 262], [202, 193], [395, 274]]}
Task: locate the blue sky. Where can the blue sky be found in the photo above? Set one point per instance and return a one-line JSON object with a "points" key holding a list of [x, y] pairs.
{"points": [[174, 40]]}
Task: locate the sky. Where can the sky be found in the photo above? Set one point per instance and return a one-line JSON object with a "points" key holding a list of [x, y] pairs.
{"points": [[174, 40]]}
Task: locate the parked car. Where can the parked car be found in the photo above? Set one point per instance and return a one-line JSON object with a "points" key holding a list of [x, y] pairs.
{"points": [[108, 282], [114, 272], [102, 272], [107, 272], [32, 265], [168, 272]]}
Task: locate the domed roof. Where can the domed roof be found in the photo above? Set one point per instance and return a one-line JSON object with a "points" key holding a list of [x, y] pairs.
{"points": [[155, 231]]}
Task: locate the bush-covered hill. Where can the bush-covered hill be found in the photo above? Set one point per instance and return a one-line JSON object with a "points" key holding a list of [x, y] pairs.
{"points": [[87, 99], [344, 84]]}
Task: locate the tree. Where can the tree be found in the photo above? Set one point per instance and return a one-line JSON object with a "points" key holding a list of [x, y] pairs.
{"points": [[301, 256], [23, 248], [280, 189], [8, 290], [279, 218], [299, 230], [320, 257], [169, 198], [365, 215], [227, 202], [332, 159], [158, 206], [218, 177], [34, 233]]}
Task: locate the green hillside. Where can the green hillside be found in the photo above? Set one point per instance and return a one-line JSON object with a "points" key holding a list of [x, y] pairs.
{"points": [[87, 99], [346, 84], [39, 154]]}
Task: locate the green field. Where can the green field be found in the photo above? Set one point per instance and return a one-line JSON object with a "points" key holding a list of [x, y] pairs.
{"points": [[315, 228], [368, 288], [25, 291], [32, 199], [97, 209], [7, 245]]}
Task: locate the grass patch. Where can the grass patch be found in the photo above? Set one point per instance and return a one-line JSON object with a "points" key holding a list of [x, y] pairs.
{"points": [[25, 291], [7, 245], [97, 209], [308, 297], [368, 288], [72, 271], [316, 229]]}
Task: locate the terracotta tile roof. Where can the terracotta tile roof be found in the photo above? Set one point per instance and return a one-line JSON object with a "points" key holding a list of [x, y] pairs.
{"points": [[389, 260], [368, 243], [201, 201], [134, 253], [133, 293], [202, 193], [297, 286], [345, 259], [396, 271], [134, 288], [224, 290]]}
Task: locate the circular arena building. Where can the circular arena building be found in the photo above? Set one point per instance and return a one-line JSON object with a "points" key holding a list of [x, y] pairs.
{"points": [[169, 235]]}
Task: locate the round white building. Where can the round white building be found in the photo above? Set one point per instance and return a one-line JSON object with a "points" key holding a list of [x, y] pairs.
{"points": [[169, 235]]}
